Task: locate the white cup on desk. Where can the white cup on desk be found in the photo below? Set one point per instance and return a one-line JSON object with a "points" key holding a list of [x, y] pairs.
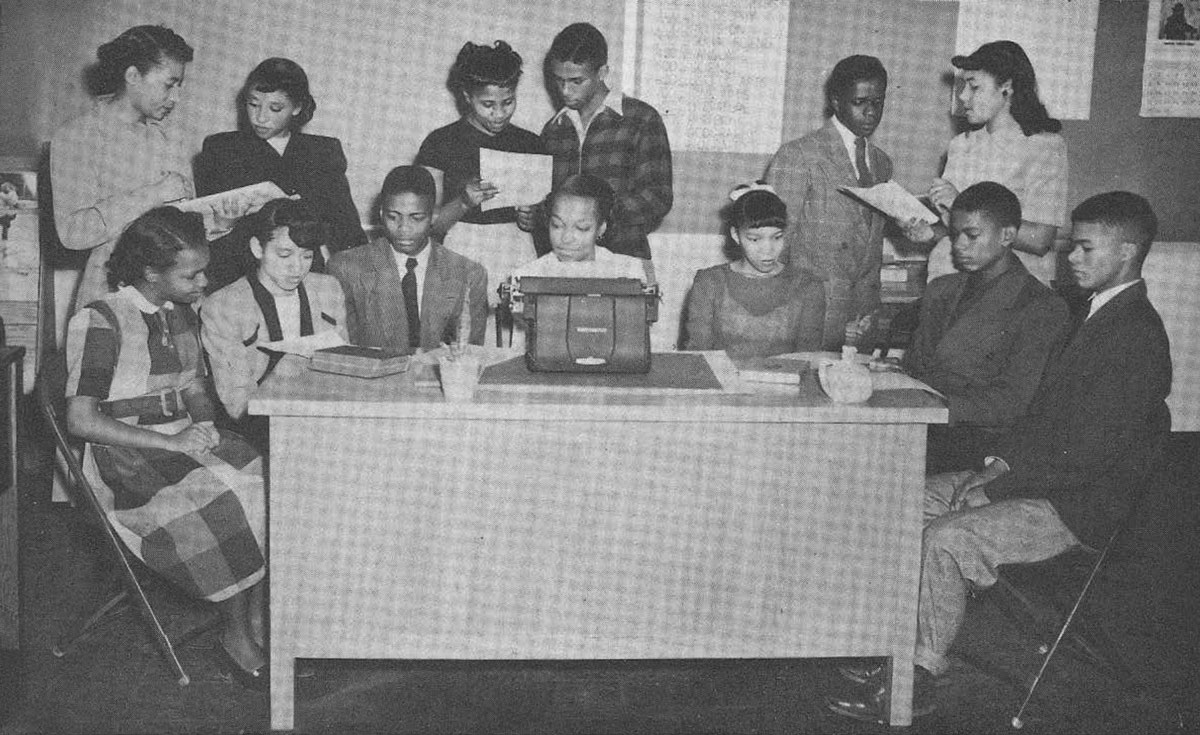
{"points": [[460, 376]]}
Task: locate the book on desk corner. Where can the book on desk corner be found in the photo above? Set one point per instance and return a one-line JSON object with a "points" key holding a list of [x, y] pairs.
{"points": [[359, 362]]}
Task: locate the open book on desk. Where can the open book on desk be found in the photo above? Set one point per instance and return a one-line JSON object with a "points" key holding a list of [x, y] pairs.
{"points": [[893, 200]]}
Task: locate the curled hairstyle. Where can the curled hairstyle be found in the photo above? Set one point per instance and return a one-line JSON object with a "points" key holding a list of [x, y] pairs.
{"points": [[585, 186], [994, 201], [154, 240], [142, 47], [757, 206], [409, 180], [478, 66], [1124, 211], [278, 75], [1006, 61], [579, 43], [303, 226], [849, 72]]}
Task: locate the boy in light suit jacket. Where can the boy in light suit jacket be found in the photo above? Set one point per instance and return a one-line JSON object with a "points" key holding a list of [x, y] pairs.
{"points": [[404, 291], [829, 233]]}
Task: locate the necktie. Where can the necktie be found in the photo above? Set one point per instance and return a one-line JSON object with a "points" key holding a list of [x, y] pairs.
{"points": [[860, 162], [408, 286]]}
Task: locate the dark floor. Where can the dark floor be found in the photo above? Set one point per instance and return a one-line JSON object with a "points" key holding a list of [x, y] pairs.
{"points": [[115, 681]]}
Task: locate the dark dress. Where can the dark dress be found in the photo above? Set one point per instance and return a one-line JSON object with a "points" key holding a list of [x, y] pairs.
{"points": [[454, 150], [312, 166]]}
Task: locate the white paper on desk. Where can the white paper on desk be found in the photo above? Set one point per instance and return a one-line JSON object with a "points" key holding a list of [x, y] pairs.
{"points": [[521, 179], [245, 199], [893, 380], [305, 346], [893, 200]]}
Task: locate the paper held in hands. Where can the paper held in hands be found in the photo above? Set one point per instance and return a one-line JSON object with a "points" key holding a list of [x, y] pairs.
{"points": [[893, 200], [521, 179], [236, 202]]}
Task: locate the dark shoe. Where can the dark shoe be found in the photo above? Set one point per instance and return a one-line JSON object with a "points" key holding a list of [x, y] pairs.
{"points": [[258, 680], [863, 671], [871, 703]]}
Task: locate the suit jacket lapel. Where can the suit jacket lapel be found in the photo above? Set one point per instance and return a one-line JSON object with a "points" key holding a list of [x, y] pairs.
{"points": [[836, 153], [1093, 328], [385, 290], [978, 324], [435, 292]]}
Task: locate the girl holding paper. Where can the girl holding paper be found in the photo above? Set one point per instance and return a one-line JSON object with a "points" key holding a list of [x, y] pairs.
{"points": [[484, 83], [118, 160], [244, 322], [273, 106], [1014, 142]]}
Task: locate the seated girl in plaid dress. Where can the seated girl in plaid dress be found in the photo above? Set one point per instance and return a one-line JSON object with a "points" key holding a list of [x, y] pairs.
{"points": [[186, 498]]}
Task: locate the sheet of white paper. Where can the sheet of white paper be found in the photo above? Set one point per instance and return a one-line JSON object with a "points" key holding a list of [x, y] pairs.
{"points": [[305, 346], [899, 381], [521, 178], [893, 200], [715, 71], [247, 199]]}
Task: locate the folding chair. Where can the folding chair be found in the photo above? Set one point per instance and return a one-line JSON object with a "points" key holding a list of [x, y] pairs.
{"points": [[50, 395], [1090, 641]]}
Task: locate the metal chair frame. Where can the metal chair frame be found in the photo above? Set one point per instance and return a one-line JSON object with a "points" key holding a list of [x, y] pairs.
{"points": [[50, 397]]}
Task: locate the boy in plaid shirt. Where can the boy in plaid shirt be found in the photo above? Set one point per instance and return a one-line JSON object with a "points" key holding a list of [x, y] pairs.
{"points": [[624, 142]]}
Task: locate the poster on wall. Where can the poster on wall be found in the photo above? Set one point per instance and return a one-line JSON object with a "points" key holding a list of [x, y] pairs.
{"points": [[1044, 30], [716, 72], [1171, 74]]}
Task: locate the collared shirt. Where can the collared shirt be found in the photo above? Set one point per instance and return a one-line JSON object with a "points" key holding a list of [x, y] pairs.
{"points": [[605, 264], [614, 101], [1101, 298], [422, 263], [626, 146], [143, 304], [848, 140]]}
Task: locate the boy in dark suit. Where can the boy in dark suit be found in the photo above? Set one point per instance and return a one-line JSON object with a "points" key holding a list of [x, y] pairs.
{"points": [[405, 291], [831, 234], [1069, 471], [986, 332]]}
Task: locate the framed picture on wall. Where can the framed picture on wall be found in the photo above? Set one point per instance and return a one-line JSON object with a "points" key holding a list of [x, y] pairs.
{"points": [[18, 236]]}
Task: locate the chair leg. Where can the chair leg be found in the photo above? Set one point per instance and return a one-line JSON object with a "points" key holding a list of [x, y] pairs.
{"points": [[68, 639], [156, 630], [1017, 722]]}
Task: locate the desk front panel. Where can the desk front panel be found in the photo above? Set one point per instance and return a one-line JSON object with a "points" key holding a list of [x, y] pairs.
{"points": [[444, 538]]}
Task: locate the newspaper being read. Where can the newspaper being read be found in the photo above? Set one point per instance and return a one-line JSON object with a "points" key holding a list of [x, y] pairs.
{"points": [[893, 200], [521, 179]]}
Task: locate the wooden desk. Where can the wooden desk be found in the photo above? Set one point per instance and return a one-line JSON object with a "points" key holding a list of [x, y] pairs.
{"points": [[574, 526]]}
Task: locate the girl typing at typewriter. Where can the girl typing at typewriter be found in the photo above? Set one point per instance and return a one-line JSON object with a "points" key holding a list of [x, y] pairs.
{"points": [[579, 211], [185, 498], [757, 305]]}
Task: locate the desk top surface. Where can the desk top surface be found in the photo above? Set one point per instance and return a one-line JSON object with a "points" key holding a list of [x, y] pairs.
{"points": [[294, 390]]}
